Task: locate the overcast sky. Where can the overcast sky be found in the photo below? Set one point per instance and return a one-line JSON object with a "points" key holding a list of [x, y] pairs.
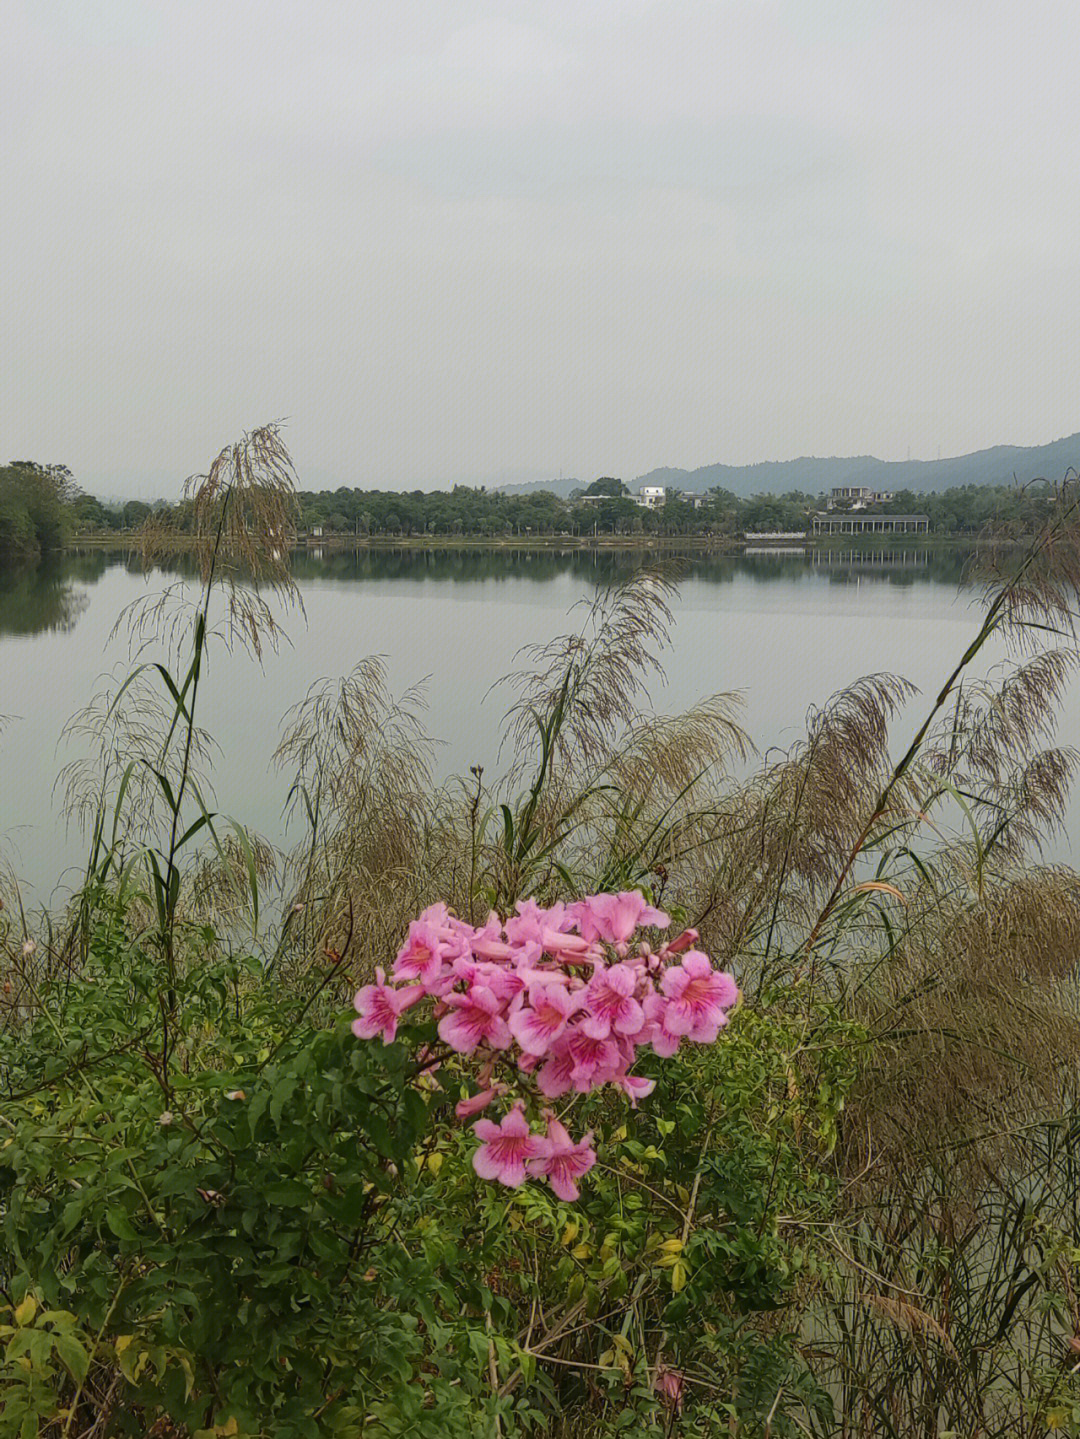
{"points": [[489, 241]]}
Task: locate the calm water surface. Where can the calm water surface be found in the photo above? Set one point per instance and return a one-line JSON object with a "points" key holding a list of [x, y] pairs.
{"points": [[786, 631]]}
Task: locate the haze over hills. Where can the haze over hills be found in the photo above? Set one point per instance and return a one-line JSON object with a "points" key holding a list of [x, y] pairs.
{"points": [[810, 475], [996, 466]]}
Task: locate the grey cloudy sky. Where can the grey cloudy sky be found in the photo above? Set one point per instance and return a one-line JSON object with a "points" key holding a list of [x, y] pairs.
{"points": [[483, 240]]}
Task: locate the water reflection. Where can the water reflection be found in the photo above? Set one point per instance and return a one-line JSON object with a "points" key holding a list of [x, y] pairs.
{"points": [[49, 595], [898, 567], [606, 567], [467, 566], [786, 630], [43, 597]]}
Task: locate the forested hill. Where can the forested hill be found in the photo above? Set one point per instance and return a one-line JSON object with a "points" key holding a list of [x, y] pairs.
{"points": [[813, 476]]}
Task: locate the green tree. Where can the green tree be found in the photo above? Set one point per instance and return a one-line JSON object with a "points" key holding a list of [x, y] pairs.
{"points": [[35, 507], [89, 514], [605, 485], [135, 513]]}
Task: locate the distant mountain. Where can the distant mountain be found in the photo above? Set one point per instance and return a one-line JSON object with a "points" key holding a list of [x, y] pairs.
{"points": [[996, 466]]}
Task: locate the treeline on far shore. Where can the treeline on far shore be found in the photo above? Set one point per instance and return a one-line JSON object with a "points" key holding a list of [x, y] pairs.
{"points": [[42, 508]]}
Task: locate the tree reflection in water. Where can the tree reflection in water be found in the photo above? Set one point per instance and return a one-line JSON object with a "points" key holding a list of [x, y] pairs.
{"points": [[49, 595], [46, 595]]}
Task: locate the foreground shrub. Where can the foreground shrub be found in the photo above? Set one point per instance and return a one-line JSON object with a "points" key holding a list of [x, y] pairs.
{"points": [[203, 1191], [219, 1211]]}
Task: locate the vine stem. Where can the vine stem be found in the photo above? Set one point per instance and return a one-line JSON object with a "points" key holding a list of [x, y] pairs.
{"points": [[73, 1408]]}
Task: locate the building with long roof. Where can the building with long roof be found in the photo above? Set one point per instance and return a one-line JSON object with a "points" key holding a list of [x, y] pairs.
{"points": [[847, 523]]}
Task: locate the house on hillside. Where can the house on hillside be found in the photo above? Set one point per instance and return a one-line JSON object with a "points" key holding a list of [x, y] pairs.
{"points": [[856, 497], [655, 497], [651, 497]]}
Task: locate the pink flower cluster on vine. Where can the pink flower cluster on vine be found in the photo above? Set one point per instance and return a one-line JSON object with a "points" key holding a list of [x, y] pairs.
{"points": [[551, 1002]]}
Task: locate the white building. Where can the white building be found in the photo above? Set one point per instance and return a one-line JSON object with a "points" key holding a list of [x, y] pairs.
{"points": [[856, 497], [652, 497]]}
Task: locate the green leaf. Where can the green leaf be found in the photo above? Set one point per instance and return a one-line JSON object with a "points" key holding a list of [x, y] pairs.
{"points": [[73, 1356], [118, 1221], [290, 1193]]}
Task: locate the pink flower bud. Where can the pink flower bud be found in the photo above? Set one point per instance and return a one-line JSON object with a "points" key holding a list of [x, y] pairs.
{"points": [[681, 943], [669, 1383], [465, 1108]]}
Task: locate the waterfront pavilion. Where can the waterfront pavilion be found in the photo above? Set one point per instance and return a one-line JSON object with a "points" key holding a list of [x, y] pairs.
{"points": [[851, 524]]}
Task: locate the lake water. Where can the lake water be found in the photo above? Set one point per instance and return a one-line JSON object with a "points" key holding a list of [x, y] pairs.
{"points": [[784, 630]]}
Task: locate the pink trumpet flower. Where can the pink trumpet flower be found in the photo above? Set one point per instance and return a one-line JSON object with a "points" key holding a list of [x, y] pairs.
{"points": [[681, 943], [548, 1002], [614, 917], [557, 1076], [474, 1019], [532, 920], [698, 997], [422, 955], [561, 1161], [466, 1108], [609, 999], [488, 942], [379, 1008], [505, 1148], [664, 1040], [635, 1087], [537, 1026], [669, 1383], [594, 1060]]}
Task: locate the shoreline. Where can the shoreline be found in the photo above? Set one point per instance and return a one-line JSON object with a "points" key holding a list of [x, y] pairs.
{"points": [[716, 544]]}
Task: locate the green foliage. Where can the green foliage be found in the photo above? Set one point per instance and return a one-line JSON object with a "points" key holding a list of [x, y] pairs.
{"points": [[40, 508], [35, 508], [688, 1249], [607, 507], [968, 509], [215, 1195]]}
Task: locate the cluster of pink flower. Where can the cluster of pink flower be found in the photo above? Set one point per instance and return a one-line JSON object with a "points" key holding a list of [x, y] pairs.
{"points": [[559, 998]]}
